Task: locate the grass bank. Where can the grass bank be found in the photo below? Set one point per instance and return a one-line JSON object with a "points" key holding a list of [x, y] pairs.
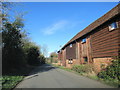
{"points": [[10, 82]]}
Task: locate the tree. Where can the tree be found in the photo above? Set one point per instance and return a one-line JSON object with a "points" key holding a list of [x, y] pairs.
{"points": [[12, 51], [42, 59], [17, 49], [54, 57], [13, 55], [33, 55], [44, 50]]}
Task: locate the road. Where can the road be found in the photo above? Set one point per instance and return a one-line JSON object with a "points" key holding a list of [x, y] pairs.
{"points": [[47, 76]]}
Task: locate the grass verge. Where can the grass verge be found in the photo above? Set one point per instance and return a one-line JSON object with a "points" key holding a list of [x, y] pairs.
{"points": [[10, 82]]}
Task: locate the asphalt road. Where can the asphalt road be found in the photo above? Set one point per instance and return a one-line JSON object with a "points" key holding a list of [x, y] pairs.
{"points": [[47, 76]]}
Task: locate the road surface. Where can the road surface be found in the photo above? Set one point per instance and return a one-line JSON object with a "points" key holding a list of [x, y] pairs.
{"points": [[47, 76]]}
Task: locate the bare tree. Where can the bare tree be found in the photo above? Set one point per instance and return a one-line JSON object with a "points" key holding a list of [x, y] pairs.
{"points": [[44, 50]]}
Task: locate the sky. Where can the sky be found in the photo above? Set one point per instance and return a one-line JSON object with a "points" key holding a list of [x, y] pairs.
{"points": [[53, 24]]}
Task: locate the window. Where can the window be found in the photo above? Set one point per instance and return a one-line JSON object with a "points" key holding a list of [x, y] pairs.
{"points": [[85, 59], [70, 45], [70, 61], [113, 26], [84, 40]]}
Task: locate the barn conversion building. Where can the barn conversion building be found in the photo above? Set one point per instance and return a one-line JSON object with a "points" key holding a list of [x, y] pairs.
{"points": [[97, 44]]}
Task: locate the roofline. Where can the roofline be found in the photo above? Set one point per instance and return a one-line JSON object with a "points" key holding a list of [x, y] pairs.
{"points": [[109, 15]]}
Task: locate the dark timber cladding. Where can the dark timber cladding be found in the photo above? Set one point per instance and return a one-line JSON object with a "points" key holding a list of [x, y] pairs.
{"points": [[106, 43], [71, 51]]}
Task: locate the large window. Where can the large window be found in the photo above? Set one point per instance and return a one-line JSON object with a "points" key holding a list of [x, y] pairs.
{"points": [[113, 26]]}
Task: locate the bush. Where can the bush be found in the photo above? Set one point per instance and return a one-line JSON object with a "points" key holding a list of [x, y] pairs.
{"points": [[84, 68], [112, 72], [9, 82], [33, 55], [42, 59]]}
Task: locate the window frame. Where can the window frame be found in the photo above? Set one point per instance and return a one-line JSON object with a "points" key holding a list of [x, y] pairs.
{"points": [[85, 60], [70, 61], [84, 40], [110, 26], [71, 45]]}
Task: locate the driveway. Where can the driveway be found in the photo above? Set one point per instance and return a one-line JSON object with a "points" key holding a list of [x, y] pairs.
{"points": [[47, 76]]}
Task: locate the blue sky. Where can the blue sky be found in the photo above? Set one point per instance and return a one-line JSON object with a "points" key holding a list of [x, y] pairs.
{"points": [[53, 24]]}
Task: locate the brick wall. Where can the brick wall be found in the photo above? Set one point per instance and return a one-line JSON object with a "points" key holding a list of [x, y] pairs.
{"points": [[101, 63], [70, 65]]}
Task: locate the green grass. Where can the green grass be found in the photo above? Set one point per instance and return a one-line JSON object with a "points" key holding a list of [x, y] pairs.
{"points": [[62, 67], [114, 83], [93, 77], [10, 81]]}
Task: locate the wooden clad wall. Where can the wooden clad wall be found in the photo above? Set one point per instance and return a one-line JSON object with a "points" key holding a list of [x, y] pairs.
{"points": [[106, 43], [71, 51], [119, 33], [84, 49], [60, 55], [89, 53], [64, 57]]}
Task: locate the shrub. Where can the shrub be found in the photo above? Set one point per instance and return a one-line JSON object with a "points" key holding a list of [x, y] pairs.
{"points": [[9, 82], [112, 72], [42, 59], [84, 68], [33, 55]]}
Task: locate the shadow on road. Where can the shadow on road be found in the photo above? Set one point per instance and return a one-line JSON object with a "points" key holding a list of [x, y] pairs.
{"points": [[31, 70], [43, 68]]}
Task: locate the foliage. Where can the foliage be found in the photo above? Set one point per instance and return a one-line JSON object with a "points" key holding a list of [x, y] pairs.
{"points": [[84, 68], [53, 54], [42, 59], [6, 6], [12, 51], [13, 55], [32, 55], [10, 81], [53, 57], [17, 50], [44, 50], [112, 72]]}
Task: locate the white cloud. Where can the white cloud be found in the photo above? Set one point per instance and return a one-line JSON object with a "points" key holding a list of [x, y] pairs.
{"points": [[55, 27], [61, 25]]}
